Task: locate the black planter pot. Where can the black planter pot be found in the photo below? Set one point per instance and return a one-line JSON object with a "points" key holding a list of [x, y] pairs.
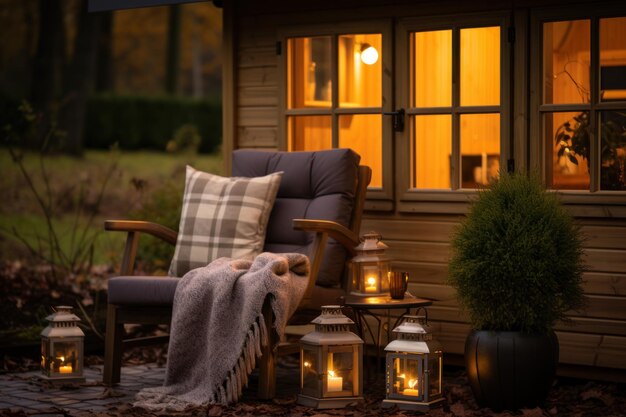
{"points": [[510, 370]]}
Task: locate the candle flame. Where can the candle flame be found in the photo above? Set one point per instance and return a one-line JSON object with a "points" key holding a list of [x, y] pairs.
{"points": [[62, 358], [412, 383], [371, 281], [307, 364], [331, 374]]}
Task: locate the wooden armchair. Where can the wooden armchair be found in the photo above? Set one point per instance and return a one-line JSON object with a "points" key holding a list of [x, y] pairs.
{"points": [[317, 212]]}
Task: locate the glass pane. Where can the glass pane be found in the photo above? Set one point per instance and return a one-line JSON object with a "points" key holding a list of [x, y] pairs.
{"points": [[613, 145], [480, 66], [309, 381], [339, 376], [360, 70], [363, 134], [613, 59], [480, 149], [309, 133], [433, 146], [433, 68], [567, 138], [65, 357], [566, 47], [406, 373], [434, 367], [309, 72]]}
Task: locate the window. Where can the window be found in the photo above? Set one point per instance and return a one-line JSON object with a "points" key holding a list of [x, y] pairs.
{"points": [[335, 94], [583, 103], [455, 106]]}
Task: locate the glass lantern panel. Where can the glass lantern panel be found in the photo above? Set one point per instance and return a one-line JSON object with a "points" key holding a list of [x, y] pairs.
{"points": [[340, 372], [45, 356], [406, 377], [309, 381], [371, 279], [434, 374], [64, 358]]}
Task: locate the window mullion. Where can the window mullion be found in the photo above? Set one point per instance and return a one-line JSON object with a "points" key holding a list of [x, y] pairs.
{"points": [[594, 84], [334, 69], [455, 160]]}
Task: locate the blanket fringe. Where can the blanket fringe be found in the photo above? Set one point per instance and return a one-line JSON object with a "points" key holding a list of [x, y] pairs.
{"points": [[231, 389]]}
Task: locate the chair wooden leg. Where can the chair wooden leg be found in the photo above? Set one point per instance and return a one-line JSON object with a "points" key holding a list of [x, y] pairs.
{"points": [[267, 362], [112, 348]]}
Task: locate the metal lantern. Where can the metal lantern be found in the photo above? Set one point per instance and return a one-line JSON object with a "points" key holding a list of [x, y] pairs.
{"points": [[414, 367], [370, 267], [62, 347], [331, 362]]}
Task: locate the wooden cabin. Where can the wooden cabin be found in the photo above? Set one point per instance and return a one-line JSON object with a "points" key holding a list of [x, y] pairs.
{"points": [[437, 96]]}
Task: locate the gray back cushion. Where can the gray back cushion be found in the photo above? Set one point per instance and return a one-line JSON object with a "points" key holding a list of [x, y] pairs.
{"points": [[317, 185]]}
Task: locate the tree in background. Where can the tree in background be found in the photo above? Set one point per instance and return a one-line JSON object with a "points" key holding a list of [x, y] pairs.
{"points": [[58, 60]]}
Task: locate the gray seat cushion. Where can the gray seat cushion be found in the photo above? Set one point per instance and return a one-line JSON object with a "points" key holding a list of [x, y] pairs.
{"points": [[142, 290]]}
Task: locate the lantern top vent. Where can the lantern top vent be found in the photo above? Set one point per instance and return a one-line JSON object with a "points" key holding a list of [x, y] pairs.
{"points": [[414, 328], [62, 314], [332, 319], [371, 241]]}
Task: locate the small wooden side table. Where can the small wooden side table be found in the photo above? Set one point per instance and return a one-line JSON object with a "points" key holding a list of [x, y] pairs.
{"points": [[365, 306]]}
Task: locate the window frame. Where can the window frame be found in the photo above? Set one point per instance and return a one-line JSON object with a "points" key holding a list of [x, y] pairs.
{"points": [[379, 198], [432, 199], [537, 145]]}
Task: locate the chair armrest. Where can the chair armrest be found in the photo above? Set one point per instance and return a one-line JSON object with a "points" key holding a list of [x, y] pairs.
{"points": [[323, 229], [134, 228], [154, 229], [341, 234]]}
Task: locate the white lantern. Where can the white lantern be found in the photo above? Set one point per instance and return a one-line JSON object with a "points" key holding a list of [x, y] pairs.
{"points": [[370, 267], [331, 362], [62, 347], [414, 367]]}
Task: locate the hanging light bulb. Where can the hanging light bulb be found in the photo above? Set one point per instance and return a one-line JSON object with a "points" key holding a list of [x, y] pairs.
{"points": [[369, 54]]}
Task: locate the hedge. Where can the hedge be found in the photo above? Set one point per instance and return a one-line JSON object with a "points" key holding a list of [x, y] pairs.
{"points": [[149, 122]]}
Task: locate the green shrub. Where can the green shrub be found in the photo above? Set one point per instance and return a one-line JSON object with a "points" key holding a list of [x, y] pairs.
{"points": [[146, 122], [517, 258]]}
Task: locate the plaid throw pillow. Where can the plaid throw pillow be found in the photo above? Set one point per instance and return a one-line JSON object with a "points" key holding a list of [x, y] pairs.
{"points": [[222, 217]]}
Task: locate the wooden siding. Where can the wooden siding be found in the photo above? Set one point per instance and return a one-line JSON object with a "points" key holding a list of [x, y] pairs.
{"points": [[595, 336], [419, 243]]}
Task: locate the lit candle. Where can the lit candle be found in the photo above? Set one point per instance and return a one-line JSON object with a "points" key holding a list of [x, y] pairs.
{"points": [[65, 369], [411, 390], [370, 284], [335, 383]]}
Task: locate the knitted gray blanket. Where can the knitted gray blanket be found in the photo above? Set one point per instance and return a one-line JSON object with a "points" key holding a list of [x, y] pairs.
{"points": [[217, 327]]}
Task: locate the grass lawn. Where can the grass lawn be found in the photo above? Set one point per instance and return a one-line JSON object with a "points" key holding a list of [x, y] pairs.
{"points": [[131, 178]]}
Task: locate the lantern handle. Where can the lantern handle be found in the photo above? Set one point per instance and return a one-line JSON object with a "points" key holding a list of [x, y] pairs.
{"points": [[425, 313]]}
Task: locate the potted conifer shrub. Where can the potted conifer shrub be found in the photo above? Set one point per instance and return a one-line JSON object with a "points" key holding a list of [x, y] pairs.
{"points": [[517, 267]]}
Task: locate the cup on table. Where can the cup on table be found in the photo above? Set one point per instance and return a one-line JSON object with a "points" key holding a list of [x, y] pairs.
{"points": [[398, 282]]}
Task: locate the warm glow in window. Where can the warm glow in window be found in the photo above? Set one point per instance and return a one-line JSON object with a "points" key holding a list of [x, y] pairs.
{"points": [[335, 96], [433, 147], [309, 133], [476, 156], [308, 72], [585, 148], [480, 149], [360, 66], [433, 68], [362, 134], [566, 47], [480, 66], [569, 149]]}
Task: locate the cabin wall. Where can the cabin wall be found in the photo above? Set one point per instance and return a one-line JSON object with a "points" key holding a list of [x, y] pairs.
{"points": [[420, 243]]}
